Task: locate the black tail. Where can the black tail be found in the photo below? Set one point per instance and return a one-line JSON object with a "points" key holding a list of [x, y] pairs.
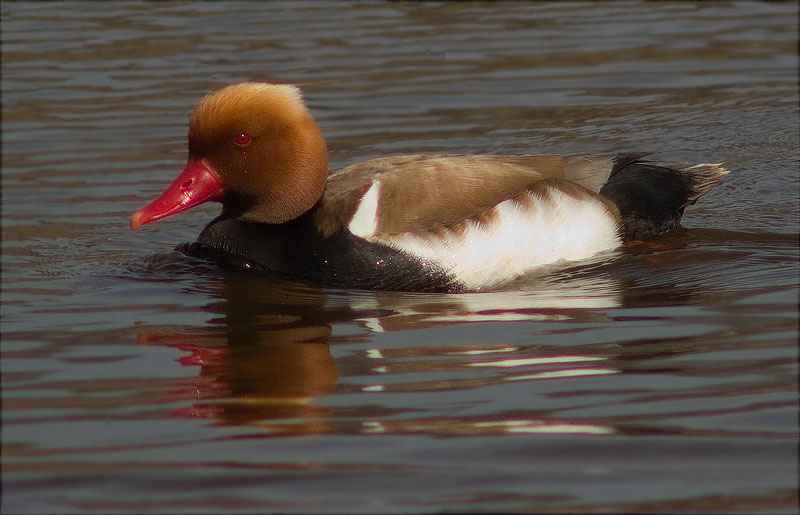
{"points": [[651, 198]]}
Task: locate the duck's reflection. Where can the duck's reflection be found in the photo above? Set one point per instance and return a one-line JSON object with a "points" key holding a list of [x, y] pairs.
{"points": [[267, 356]]}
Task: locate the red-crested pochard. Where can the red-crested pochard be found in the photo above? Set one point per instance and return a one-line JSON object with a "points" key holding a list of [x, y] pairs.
{"points": [[419, 222]]}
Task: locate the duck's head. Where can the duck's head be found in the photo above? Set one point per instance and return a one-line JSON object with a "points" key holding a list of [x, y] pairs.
{"points": [[255, 148]]}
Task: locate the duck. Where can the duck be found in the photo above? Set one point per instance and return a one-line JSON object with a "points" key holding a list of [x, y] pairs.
{"points": [[423, 223]]}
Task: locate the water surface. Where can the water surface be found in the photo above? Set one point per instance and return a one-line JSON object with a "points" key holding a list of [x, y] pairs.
{"points": [[136, 379]]}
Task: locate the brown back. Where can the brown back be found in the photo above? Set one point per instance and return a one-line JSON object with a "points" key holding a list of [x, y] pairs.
{"points": [[419, 192]]}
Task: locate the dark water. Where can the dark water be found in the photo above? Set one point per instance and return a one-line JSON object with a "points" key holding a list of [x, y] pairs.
{"points": [[135, 379]]}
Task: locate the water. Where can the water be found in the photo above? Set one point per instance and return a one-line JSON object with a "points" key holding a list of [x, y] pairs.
{"points": [[136, 379]]}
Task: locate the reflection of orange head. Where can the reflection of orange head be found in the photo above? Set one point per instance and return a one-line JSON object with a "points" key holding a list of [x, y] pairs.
{"points": [[260, 382], [266, 363]]}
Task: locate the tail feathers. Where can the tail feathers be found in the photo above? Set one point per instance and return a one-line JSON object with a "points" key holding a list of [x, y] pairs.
{"points": [[651, 198], [703, 177]]}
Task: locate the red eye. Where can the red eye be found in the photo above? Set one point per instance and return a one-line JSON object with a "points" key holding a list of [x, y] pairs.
{"points": [[242, 139]]}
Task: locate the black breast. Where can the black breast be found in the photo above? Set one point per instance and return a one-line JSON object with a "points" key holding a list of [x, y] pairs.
{"points": [[295, 249]]}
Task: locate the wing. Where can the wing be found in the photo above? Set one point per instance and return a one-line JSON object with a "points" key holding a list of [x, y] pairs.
{"points": [[417, 193]]}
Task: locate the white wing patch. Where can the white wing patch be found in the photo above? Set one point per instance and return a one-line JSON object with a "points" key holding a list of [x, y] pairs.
{"points": [[514, 238], [365, 220]]}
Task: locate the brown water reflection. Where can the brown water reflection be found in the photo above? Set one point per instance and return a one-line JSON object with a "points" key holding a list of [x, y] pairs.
{"points": [[271, 360]]}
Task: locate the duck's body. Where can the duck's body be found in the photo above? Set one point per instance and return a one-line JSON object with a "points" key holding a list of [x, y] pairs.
{"points": [[416, 223]]}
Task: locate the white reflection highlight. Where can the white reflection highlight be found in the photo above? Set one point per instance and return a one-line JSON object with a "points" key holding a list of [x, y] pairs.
{"points": [[563, 428], [535, 361], [531, 426], [484, 351], [564, 373], [373, 388], [553, 297], [372, 426], [498, 317], [373, 324]]}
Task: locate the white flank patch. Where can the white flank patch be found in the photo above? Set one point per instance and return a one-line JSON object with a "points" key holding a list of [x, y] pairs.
{"points": [[516, 241], [365, 220]]}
